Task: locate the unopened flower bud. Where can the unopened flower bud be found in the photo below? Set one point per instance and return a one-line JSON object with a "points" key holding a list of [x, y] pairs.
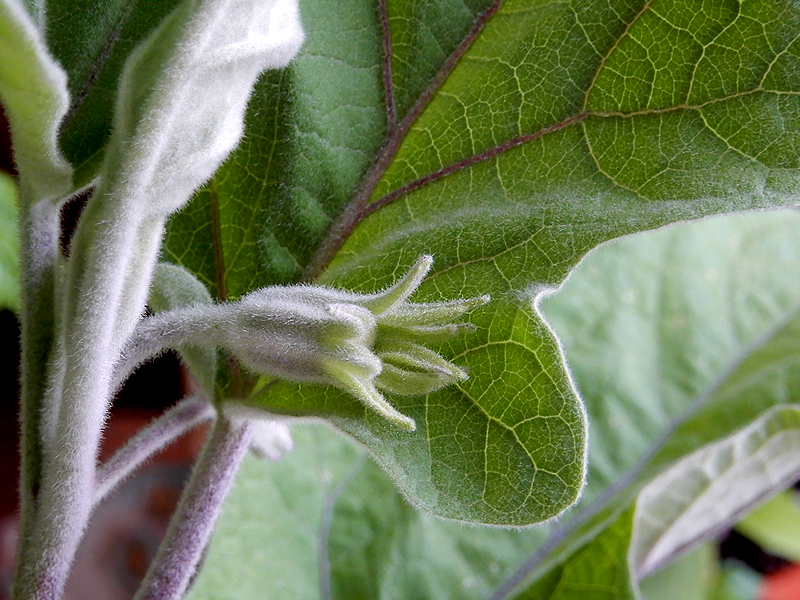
{"points": [[359, 343]]}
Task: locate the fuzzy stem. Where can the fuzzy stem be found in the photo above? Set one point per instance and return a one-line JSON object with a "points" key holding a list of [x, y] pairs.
{"points": [[39, 236], [191, 527], [88, 337], [168, 329], [179, 419]]}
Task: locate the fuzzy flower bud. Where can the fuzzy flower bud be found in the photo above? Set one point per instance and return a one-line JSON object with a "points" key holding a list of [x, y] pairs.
{"points": [[359, 343]]}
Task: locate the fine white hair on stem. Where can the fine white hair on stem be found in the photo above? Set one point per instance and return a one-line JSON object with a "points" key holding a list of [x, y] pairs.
{"points": [[190, 529], [184, 416]]}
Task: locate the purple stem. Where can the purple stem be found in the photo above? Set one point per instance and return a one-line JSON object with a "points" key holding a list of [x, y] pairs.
{"points": [[193, 522], [179, 419], [388, 82]]}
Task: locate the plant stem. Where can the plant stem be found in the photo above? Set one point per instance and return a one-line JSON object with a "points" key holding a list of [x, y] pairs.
{"points": [[179, 419], [39, 236], [168, 329], [98, 310], [193, 522]]}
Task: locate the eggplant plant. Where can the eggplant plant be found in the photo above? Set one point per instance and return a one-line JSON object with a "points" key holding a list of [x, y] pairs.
{"points": [[363, 215]]}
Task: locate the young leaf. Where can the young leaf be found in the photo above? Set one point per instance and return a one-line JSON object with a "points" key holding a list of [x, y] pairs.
{"points": [[92, 40], [183, 93], [33, 91]]}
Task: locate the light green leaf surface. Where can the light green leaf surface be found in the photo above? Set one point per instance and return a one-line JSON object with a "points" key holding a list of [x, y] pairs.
{"points": [[687, 331], [267, 544], [380, 547], [597, 571], [775, 526], [9, 244], [328, 516], [33, 91]]}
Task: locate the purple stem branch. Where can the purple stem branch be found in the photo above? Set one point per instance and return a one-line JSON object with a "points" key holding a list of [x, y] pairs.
{"points": [[388, 82], [193, 522], [176, 421]]}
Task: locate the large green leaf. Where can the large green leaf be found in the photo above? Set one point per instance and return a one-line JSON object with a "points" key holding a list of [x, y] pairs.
{"points": [[547, 129], [677, 339]]}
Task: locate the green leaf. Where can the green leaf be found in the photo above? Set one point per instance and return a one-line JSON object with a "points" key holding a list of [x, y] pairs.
{"points": [[9, 244], [328, 516], [534, 132], [34, 96], [598, 571], [182, 98], [775, 526]]}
